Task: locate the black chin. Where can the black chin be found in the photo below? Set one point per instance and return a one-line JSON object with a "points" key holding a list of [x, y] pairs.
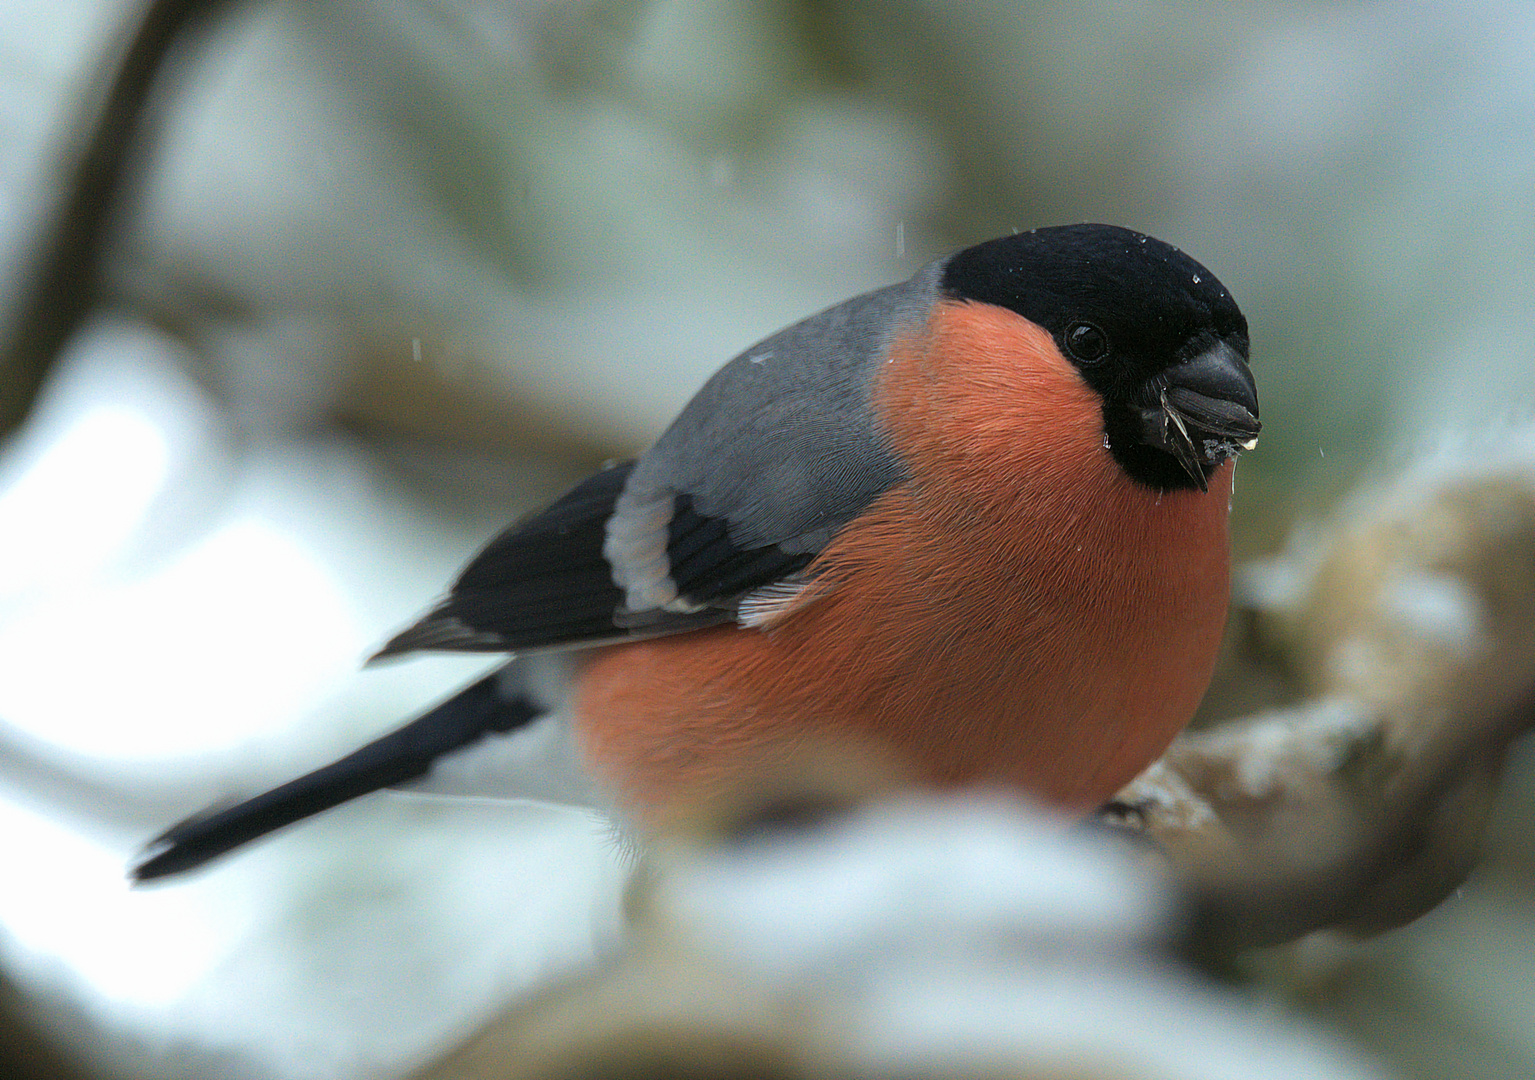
{"points": [[1146, 465]]}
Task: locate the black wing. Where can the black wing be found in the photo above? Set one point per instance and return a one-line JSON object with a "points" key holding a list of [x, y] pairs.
{"points": [[545, 582]]}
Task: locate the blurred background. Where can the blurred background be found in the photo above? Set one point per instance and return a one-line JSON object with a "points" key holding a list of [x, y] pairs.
{"points": [[390, 272]]}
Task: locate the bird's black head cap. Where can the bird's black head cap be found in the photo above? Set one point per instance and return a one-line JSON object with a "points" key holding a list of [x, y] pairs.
{"points": [[1130, 312]]}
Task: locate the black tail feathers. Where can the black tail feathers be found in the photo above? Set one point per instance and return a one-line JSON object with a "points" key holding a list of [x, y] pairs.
{"points": [[394, 759]]}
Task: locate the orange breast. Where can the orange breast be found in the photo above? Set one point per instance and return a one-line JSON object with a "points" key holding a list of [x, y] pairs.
{"points": [[1018, 612]]}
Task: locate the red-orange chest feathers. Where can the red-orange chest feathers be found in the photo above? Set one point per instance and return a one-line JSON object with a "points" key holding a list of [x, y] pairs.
{"points": [[1019, 611]]}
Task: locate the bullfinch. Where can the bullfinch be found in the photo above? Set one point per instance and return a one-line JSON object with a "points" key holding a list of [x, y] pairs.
{"points": [[977, 519]]}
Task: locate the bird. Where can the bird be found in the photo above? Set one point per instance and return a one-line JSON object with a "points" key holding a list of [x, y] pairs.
{"points": [[978, 519]]}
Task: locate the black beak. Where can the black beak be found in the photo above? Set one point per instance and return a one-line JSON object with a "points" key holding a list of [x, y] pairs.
{"points": [[1206, 411]]}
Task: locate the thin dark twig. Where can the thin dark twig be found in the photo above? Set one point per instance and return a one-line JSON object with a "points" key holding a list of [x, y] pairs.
{"points": [[61, 271]]}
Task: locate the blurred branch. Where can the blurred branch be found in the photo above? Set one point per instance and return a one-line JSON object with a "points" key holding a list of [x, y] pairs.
{"points": [[61, 270], [1411, 633], [651, 1013], [1388, 859], [24, 1053]]}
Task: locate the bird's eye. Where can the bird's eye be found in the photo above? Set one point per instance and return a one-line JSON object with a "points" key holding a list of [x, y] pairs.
{"points": [[1086, 343]]}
